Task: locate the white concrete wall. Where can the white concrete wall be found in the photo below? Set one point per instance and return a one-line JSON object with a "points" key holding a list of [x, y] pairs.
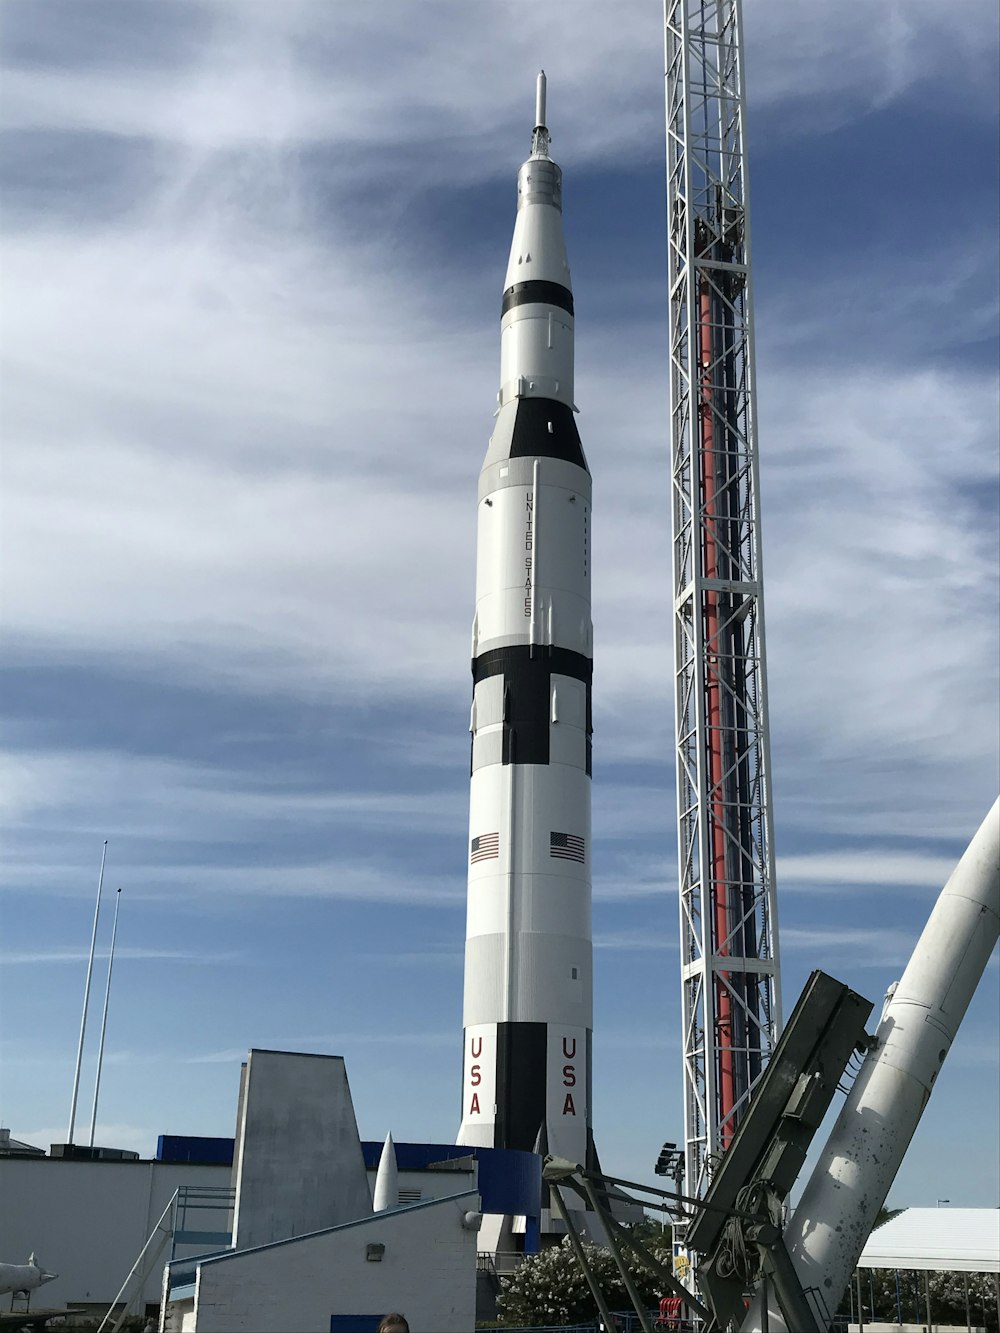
{"points": [[431, 1184], [87, 1221], [300, 1166], [428, 1272]]}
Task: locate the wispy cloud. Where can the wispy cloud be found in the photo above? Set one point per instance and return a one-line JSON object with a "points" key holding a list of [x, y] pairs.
{"points": [[11, 957], [155, 793], [860, 869], [248, 363], [228, 1056], [863, 946], [344, 880], [332, 1042], [317, 64], [635, 941], [429, 958]]}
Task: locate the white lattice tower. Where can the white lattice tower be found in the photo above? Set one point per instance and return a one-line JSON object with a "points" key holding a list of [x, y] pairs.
{"points": [[728, 923]]}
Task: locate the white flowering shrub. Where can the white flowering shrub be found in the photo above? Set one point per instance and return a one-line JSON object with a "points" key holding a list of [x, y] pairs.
{"points": [[550, 1288]]}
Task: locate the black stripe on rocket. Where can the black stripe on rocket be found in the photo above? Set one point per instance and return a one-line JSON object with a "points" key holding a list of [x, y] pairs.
{"points": [[521, 1083], [527, 671], [537, 293], [545, 428]]}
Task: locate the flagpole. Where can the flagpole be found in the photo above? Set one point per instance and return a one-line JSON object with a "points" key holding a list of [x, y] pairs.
{"points": [[104, 1020], [86, 999]]}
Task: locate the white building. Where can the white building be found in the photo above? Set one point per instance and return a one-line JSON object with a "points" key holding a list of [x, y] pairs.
{"points": [[419, 1258], [88, 1221], [278, 1233]]}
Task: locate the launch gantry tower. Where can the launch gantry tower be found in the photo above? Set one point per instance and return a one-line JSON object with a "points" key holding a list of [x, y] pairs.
{"points": [[730, 982]]}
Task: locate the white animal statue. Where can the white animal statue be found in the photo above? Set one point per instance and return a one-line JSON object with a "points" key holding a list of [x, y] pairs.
{"points": [[23, 1277]]}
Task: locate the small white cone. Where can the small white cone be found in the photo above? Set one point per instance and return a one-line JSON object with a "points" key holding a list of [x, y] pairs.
{"points": [[386, 1179]]}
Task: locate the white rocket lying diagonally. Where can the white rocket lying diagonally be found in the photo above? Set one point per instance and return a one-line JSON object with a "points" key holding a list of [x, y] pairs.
{"points": [[529, 954]]}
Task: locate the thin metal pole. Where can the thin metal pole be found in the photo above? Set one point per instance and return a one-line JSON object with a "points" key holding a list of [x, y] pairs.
{"points": [[135, 1267], [581, 1258], [916, 1296], [633, 1291], [86, 999], [652, 1263], [927, 1296], [104, 1019]]}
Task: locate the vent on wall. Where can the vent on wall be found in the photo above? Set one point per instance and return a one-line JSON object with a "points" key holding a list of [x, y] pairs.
{"points": [[409, 1196]]}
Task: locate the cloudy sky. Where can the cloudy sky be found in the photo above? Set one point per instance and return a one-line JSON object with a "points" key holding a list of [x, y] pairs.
{"points": [[252, 261]]}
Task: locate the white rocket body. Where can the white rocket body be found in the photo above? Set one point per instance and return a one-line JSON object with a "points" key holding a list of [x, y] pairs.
{"points": [[529, 953], [828, 1229]]}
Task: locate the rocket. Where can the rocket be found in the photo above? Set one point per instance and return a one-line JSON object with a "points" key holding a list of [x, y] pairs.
{"points": [[24, 1278], [528, 1008], [851, 1180]]}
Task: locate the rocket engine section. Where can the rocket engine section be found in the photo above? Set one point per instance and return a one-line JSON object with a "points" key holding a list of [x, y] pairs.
{"points": [[528, 965]]}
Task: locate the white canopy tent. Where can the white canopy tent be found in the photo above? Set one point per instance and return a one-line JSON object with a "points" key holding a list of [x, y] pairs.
{"points": [[955, 1240]]}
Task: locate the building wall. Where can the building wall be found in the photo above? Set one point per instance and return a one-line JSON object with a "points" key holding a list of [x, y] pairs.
{"points": [[299, 1164], [428, 1272], [88, 1221]]}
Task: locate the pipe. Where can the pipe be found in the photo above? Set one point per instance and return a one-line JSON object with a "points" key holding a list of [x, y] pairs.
{"points": [[722, 1039], [829, 1228]]}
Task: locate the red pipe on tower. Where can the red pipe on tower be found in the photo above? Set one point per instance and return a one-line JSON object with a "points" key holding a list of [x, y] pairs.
{"points": [[719, 886]]}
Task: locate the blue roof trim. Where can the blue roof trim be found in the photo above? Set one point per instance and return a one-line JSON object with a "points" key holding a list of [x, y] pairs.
{"points": [[417, 1156], [328, 1231]]}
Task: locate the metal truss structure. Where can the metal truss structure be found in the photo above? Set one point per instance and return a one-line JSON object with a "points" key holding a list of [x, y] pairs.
{"points": [[728, 922]]}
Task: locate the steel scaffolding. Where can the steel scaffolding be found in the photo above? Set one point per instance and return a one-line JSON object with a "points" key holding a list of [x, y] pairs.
{"points": [[730, 983]]}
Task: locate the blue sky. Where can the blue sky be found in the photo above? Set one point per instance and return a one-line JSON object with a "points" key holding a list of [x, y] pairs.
{"points": [[253, 255]]}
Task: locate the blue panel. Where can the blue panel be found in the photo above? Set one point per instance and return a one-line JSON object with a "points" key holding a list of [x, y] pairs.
{"points": [[355, 1323], [510, 1181], [194, 1148]]}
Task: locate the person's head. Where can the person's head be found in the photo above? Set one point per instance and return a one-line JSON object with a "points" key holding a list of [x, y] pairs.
{"points": [[394, 1323]]}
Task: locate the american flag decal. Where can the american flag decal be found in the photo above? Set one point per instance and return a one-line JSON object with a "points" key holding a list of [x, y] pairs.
{"points": [[567, 847], [485, 848]]}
